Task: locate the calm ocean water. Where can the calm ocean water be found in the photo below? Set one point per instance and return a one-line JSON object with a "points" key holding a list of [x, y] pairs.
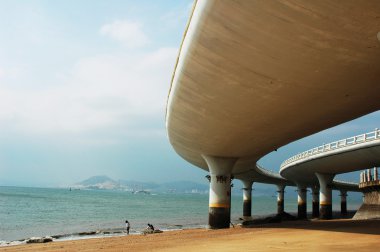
{"points": [[27, 212]]}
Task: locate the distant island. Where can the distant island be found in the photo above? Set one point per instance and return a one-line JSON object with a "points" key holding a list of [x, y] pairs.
{"points": [[106, 183]]}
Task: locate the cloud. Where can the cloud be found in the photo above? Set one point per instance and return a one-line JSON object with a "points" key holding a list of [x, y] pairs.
{"points": [[127, 32], [109, 90], [134, 84], [177, 16], [9, 72]]}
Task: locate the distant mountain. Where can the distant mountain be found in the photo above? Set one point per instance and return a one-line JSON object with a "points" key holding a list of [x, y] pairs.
{"points": [[98, 182], [106, 183]]}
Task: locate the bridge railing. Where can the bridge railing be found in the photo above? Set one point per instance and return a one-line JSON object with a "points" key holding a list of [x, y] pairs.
{"points": [[268, 172], [347, 182], [366, 137]]}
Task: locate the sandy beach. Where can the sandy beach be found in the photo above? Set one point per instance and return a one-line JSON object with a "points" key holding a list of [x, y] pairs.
{"points": [[333, 235]]}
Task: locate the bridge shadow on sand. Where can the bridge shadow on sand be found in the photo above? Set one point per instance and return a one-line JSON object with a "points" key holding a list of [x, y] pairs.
{"points": [[343, 224]]}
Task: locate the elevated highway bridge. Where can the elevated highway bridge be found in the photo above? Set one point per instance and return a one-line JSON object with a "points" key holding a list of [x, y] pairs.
{"points": [[252, 76]]}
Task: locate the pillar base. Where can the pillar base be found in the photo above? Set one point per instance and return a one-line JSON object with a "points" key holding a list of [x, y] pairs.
{"points": [[280, 207], [247, 206], [315, 213], [343, 208], [302, 214], [326, 212], [219, 217]]}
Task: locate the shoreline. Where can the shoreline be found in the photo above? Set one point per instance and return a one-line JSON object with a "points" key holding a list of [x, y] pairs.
{"points": [[340, 233], [98, 234], [121, 232]]}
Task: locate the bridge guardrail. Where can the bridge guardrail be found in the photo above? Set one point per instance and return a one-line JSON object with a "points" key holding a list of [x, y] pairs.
{"points": [[269, 172], [345, 182], [350, 141]]}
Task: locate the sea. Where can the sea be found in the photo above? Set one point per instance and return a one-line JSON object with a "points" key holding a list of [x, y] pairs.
{"points": [[68, 214]]}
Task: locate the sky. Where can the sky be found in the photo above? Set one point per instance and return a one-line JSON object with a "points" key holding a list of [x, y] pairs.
{"points": [[83, 89]]}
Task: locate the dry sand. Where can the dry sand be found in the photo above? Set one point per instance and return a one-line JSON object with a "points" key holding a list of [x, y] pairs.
{"points": [[334, 235]]}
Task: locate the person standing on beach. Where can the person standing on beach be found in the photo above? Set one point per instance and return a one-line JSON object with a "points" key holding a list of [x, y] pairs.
{"points": [[150, 227], [128, 226]]}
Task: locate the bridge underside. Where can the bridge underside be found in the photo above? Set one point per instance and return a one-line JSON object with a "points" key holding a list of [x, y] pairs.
{"points": [[253, 76]]}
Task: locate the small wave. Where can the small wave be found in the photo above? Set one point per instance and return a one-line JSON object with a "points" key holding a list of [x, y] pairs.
{"points": [[11, 243]]}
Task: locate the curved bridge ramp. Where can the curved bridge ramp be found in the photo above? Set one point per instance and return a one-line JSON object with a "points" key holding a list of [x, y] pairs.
{"points": [[346, 155]]}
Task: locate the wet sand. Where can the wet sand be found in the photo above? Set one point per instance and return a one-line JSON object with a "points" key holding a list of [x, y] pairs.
{"points": [[333, 235]]}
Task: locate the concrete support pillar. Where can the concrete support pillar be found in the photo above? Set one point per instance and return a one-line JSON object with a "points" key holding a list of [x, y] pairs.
{"points": [[280, 199], [369, 175], [343, 202], [325, 196], [220, 190], [364, 179], [302, 200], [315, 195], [361, 180], [375, 174], [247, 199]]}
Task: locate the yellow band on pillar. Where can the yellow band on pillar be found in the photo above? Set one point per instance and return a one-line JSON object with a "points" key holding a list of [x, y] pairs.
{"points": [[221, 205], [325, 203]]}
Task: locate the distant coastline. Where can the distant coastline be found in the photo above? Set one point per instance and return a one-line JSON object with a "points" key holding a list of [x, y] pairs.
{"points": [[106, 183]]}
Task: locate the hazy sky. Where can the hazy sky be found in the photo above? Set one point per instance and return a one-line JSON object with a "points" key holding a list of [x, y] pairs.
{"points": [[83, 88]]}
